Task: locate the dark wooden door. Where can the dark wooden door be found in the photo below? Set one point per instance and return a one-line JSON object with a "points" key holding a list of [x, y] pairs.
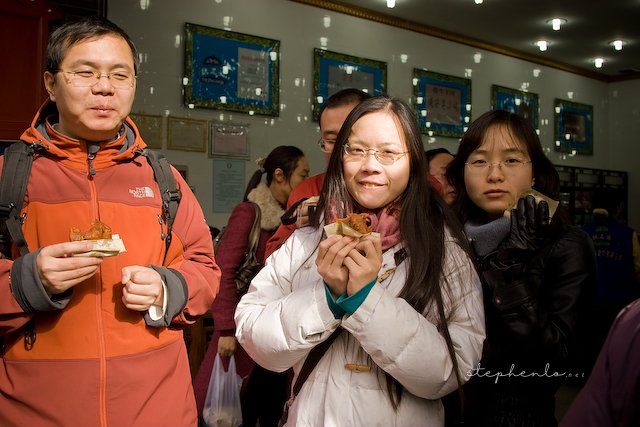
{"points": [[24, 30]]}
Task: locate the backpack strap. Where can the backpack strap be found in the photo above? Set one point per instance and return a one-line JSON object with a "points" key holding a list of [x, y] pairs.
{"points": [[169, 191], [18, 158]]}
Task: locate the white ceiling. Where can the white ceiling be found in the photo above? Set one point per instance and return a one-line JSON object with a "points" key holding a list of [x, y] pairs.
{"points": [[512, 27]]}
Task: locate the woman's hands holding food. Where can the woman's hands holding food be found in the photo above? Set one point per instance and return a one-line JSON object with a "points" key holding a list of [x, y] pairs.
{"points": [[347, 263], [364, 262], [330, 262]]}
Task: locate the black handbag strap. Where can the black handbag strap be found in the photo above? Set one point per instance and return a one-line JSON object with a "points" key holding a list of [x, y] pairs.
{"points": [[254, 234], [312, 360]]}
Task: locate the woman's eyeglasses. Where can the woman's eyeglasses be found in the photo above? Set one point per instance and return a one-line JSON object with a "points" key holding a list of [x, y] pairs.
{"points": [[384, 157], [508, 165]]}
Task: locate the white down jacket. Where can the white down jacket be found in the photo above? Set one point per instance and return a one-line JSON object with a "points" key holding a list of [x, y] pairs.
{"points": [[285, 314]]}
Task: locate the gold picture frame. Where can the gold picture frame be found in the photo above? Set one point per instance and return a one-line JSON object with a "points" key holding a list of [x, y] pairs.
{"points": [[151, 128], [187, 134]]}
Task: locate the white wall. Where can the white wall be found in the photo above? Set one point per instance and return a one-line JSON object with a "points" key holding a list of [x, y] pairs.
{"points": [[158, 33]]}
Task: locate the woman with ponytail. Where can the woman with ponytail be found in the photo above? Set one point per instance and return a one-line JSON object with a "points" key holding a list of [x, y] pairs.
{"points": [[284, 168], [405, 301]]}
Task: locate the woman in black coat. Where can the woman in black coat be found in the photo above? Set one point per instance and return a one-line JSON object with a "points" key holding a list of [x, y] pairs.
{"points": [[538, 272]]}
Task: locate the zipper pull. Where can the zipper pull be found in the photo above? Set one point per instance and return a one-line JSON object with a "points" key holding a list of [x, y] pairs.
{"points": [[163, 235], [92, 149]]}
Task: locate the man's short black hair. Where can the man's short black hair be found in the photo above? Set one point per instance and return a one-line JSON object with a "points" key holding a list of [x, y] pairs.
{"points": [[76, 31], [344, 97]]}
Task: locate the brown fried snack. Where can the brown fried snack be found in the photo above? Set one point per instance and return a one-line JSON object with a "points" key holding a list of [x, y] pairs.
{"points": [[97, 231], [553, 204], [357, 221]]}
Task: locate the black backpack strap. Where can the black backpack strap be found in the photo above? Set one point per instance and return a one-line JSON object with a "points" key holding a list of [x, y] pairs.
{"points": [[168, 189], [18, 158], [289, 216]]}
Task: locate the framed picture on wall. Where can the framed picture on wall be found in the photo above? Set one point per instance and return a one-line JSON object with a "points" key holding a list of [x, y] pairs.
{"points": [[229, 141], [573, 127], [333, 72], [187, 134], [443, 102], [524, 104], [231, 71], [150, 127]]}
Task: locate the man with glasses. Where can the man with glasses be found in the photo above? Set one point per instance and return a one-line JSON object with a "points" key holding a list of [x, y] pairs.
{"points": [[100, 350], [332, 115]]}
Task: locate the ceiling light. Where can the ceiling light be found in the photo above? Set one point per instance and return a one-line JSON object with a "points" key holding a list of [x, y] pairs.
{"points": [[617, 44], [598, 62], [478, 1], [542, 45], [556, 23], [391, 4]]}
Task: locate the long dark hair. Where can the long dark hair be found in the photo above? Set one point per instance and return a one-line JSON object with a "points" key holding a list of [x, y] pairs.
{"points": [[546, 179], [283, 157], [423, 218]]}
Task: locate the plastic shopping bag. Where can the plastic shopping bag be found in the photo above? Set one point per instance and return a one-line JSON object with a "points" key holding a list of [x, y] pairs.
{"points": [[222, 404]]}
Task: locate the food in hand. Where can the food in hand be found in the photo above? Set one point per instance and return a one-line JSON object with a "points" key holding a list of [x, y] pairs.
{"points": [[356, 225], [358, 222], [104, 242], [553, 204], [97, 231]]}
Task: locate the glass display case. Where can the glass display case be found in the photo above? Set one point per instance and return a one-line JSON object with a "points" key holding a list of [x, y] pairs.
{"points": [[584, 189]]}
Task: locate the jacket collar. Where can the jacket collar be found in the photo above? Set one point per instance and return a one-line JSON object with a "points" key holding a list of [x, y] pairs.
{"points": [[270, 209], [74, 152]]}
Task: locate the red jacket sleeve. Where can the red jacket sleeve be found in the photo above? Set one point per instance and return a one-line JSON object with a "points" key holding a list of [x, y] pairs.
{"points": [[308, 188], [191, 255]]}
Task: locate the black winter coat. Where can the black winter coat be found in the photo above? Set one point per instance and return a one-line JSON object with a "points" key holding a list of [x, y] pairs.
{"points": [[533, 310]]}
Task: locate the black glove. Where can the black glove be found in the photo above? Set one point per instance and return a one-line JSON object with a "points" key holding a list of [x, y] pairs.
{"points": [[529, 223]]}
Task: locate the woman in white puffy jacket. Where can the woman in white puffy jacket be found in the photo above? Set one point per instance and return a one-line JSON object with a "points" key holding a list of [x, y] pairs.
{"points": [[406, 298]]}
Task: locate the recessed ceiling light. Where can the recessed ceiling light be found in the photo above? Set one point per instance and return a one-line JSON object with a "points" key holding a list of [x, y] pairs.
{"points": [[556, 23], [478, 1], [618, 44], [542, 45], [598, 62], [391, 4]]}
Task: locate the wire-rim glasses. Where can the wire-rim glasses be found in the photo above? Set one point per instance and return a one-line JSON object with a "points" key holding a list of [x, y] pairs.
{"points": [[88, 78], [326, 145], [384, 157], [508, 165]]}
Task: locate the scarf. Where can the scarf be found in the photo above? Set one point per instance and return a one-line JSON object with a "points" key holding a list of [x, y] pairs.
{"points": [[485, 238]]}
